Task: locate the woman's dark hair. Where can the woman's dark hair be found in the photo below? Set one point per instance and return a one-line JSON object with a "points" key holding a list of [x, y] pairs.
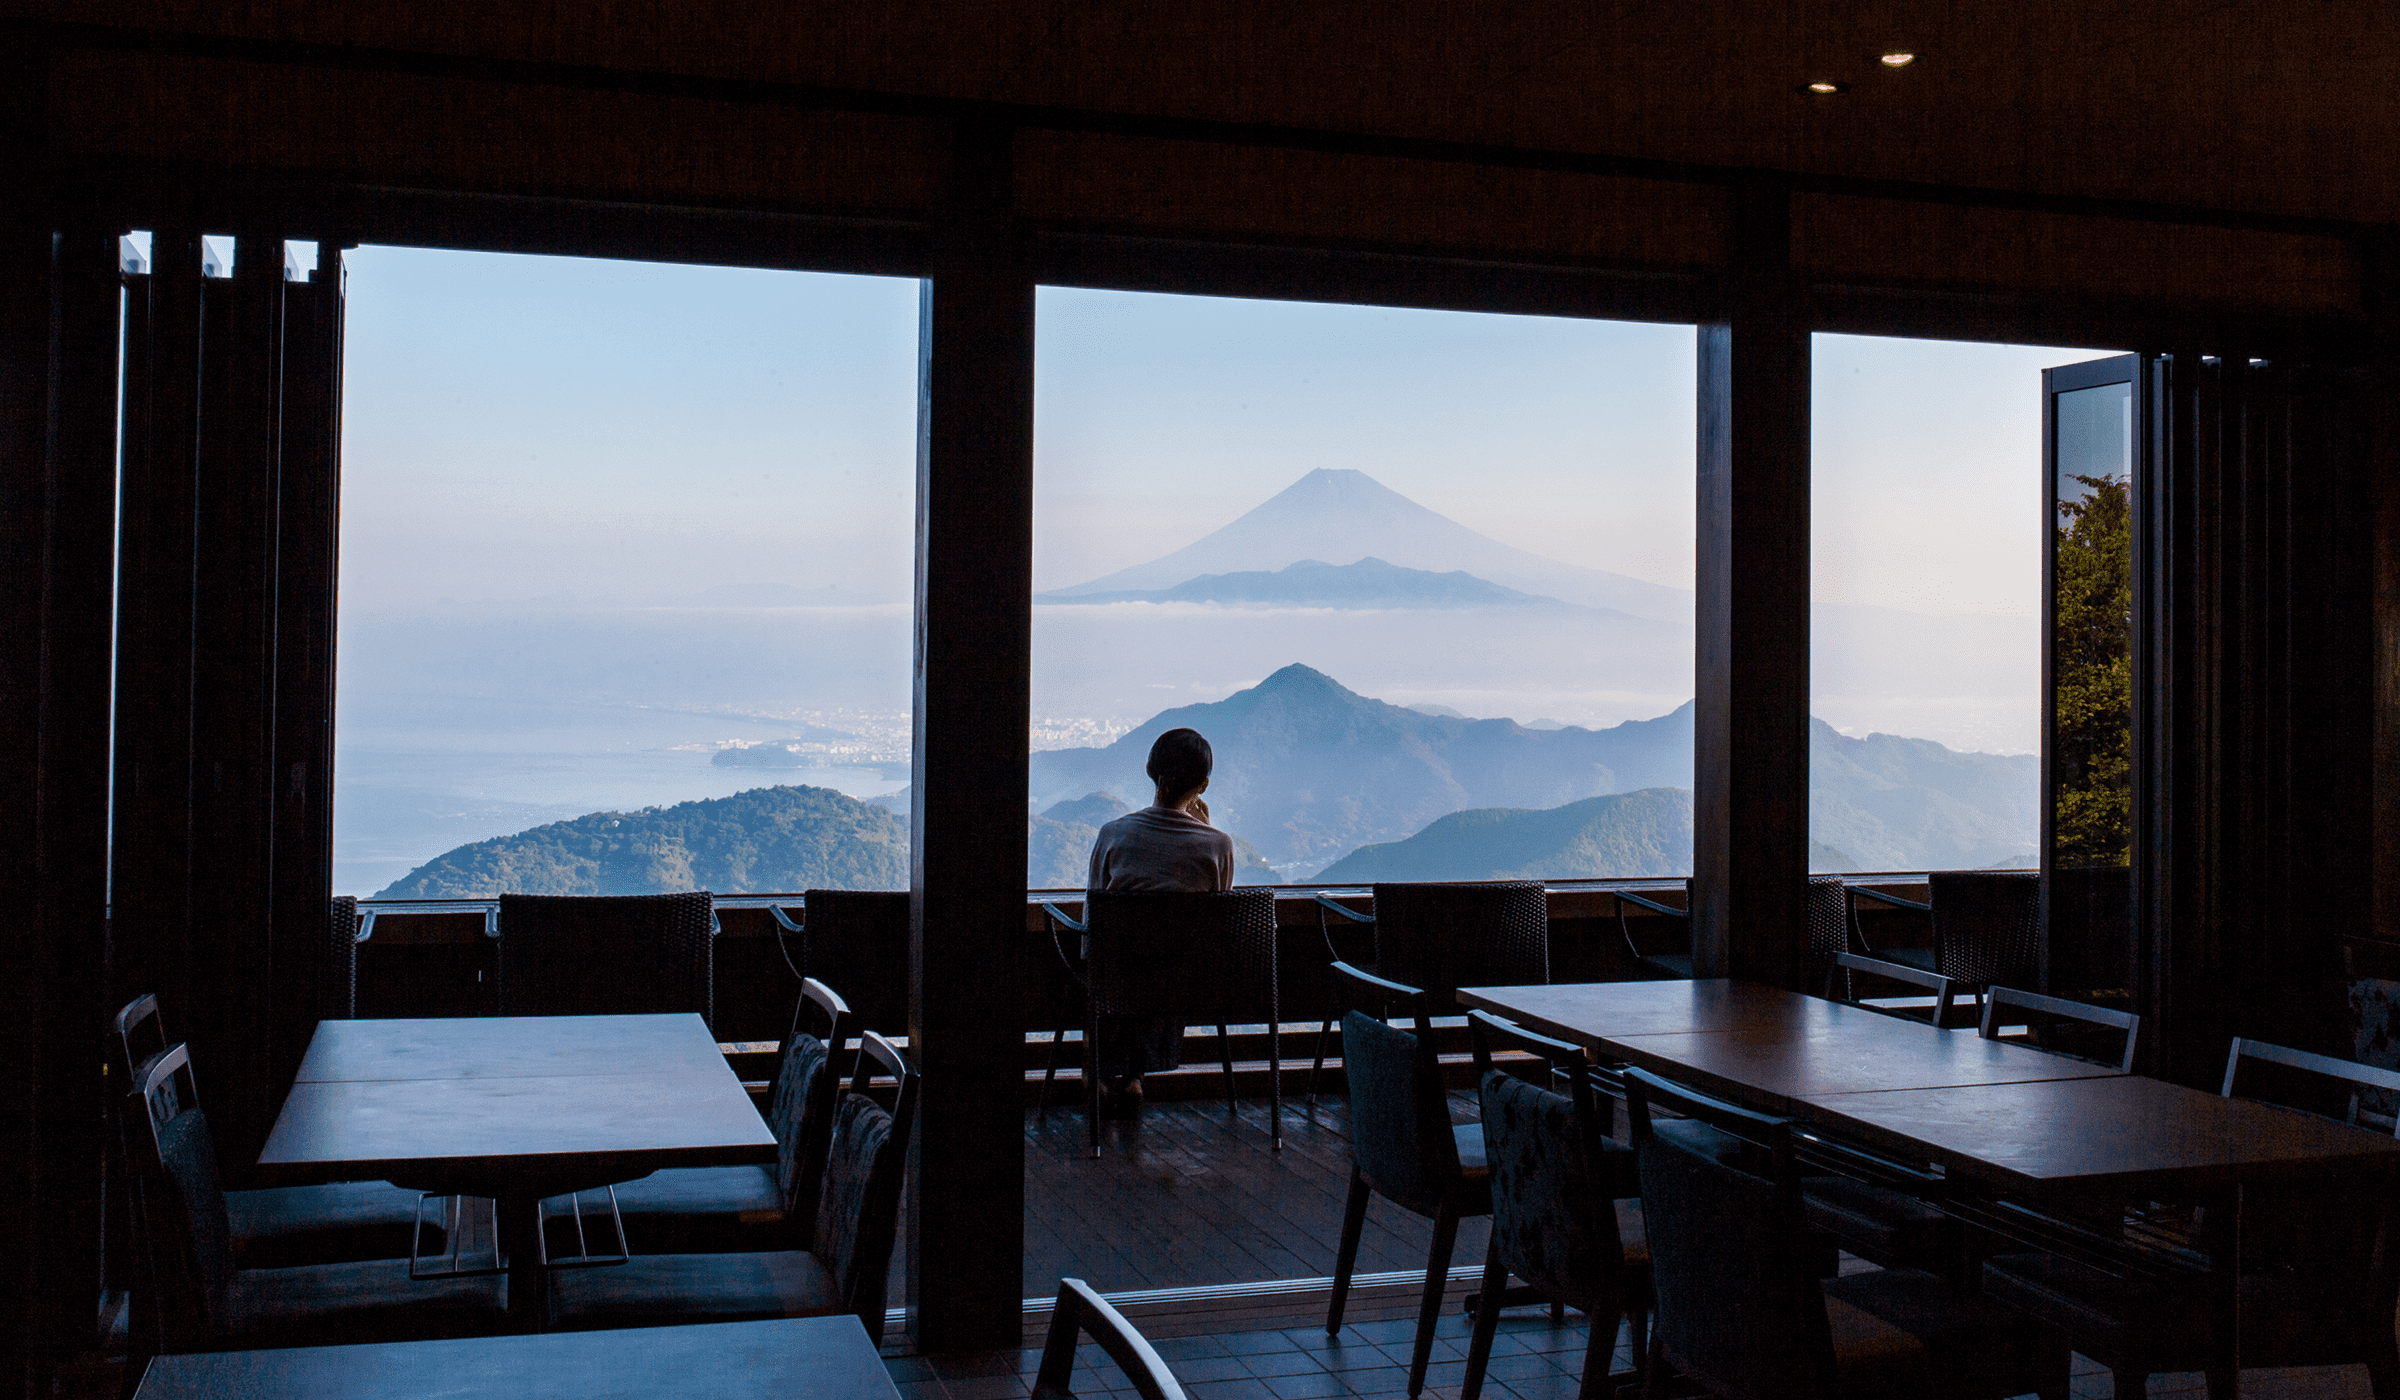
{"points": [[1180, 760]]}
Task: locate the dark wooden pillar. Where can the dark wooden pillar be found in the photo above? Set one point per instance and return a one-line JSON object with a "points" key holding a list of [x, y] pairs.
{"points": [[1750, 748], [58, 368], [2382, 267], [967, 816]]}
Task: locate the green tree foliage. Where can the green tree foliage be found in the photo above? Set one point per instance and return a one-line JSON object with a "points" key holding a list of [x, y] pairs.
{"points": [[2092, 661], [776, 839]]}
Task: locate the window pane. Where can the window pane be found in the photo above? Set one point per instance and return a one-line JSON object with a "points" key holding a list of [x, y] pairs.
{"points": [[619, 539], [1927, 571], [1397, 566]]}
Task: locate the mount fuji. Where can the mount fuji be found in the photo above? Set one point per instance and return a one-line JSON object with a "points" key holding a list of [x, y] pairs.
{"points": [[1344, 516]]}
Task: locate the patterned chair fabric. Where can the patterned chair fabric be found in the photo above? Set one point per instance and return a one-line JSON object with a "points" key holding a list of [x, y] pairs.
{"points": [[861, 1208], [857, 942], [338, 991], [608, 955], [1553, 1223], [1987, 926], [1441, 937]]}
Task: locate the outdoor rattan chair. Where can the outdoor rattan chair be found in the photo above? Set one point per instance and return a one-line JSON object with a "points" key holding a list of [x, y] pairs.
{"points": [[1442, 936], [1404, 1147], [857, 940], [1741, 1309], [2317, 1284], [1187, 958], [842, 1271], [206, 1302], [1081, 1312], [278, 1226], [1987, 927], [1675, 964], [1557, 1220], [721, 1210], [607, 955]]}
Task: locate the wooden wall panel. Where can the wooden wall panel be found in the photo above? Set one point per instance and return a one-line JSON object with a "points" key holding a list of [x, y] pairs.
{"points": [[1201, 188], [463, 134], [1840, 238]]}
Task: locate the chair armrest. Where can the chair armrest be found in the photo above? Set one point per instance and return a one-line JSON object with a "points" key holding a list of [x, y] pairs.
{"points": [[1862, 892], [1650, 904], [1326, 901], [1070, 922], [783, 920]]}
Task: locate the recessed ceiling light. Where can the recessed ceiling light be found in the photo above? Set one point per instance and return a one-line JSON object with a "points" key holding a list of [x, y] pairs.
{"points": [[1898, 59], [1824, 89]]}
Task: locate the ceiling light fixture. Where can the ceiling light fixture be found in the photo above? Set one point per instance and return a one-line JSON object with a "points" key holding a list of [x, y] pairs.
{"points": [[1898, 59], [1824, 89]]}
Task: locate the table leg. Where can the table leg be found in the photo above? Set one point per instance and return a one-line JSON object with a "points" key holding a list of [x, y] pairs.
{"points": [[528, 1281]]}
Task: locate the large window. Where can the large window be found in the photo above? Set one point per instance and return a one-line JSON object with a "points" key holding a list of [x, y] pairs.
{"points": [[625, 577], [1926, 671], [1423, 579]]}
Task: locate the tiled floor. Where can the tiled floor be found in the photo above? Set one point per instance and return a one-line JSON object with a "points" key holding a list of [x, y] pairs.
{"points": [[1531, 1360]]}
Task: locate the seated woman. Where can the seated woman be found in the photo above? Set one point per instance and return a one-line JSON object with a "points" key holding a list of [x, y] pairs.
{"points": [[1168, 845]]}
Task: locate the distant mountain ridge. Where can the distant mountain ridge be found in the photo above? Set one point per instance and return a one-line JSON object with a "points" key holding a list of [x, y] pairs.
{"points": [[1058, 846], [1313, 771], [1310, 770], [771, 838], [1345, 516], [1312, 583]]}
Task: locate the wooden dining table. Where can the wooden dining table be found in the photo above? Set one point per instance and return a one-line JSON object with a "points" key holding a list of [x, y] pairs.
{"points": [[803, 1358], [516, 1108], [2017, 1121]]}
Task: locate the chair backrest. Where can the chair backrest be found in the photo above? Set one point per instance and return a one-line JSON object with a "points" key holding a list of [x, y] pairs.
{"points": [[2349, 1075], [1739, 1308], [141, 1033], [801, 1112], [1080, 1312], [1442, 937], [857, 940], [1399, 1116], [1996, 1001], [1207, 956], [185, 1228], [607, 955], [1553, 1221], [861, 1205], [1827, 915], [1844, 985], [2339, 1236], [1987, 926]]}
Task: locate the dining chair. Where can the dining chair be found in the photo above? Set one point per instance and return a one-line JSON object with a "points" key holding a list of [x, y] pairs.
{"points": [[1987, 927], [1919, 956], [743, 1209], [850, 1249], [1742, 1312], [207, 1301], [1184, 958], [2316, 1284], [607, 955], [276, 1226], [1081, 1312], [1848, 967], [1558, 1222], [1441, 936], [1998, 1000], [1403, 1146], [1831, 933]]}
